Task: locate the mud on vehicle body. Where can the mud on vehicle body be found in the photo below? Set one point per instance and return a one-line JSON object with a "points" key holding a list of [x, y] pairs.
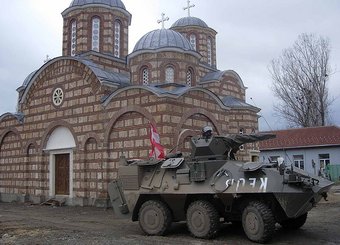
{"points": [[211, 187]]}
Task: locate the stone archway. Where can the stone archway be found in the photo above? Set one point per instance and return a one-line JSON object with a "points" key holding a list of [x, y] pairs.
{"points": [[194, 112], [191, 124], [10, 159]]}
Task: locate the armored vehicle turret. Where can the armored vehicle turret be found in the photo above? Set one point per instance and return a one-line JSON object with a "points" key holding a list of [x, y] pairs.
{"points": [[210, 187]]}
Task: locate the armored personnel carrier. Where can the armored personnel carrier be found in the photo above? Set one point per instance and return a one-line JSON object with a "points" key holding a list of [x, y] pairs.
{"points": [[210, 187]]}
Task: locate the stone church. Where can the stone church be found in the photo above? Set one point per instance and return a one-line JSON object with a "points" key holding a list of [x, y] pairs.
{"points": [[78, 113]]}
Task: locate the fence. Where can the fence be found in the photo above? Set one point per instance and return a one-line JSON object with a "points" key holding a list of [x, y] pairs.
{"points": [[334, 172]]}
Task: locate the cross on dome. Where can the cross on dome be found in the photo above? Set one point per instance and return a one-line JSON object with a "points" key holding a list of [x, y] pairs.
{"points": [[47, 59], [189, 7], [163, 20]]}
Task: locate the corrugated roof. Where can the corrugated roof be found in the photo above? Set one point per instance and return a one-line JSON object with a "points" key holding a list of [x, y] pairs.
{"points": [[28, 78], [218, 75], [111, 4], [162, 38], [236, 103], [303, 138], [212, 76], [18, 115], [102, 75]]}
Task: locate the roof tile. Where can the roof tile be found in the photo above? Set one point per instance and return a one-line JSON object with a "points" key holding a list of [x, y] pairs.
{"points": [[302, 137]]}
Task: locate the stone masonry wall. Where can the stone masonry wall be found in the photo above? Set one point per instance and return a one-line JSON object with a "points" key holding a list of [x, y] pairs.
{"points": [[84, 30], [101, 133]]}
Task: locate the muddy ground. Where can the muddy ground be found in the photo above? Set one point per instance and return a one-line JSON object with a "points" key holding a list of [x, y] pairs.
{"points": [[40, 224]]}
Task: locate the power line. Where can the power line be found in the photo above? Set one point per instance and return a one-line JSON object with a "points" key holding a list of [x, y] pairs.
{"points": [[262, 115]]}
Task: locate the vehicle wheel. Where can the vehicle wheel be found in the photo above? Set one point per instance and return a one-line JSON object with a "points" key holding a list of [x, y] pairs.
{"points": [[258, 222], [202, 219], [295, 223], [154, 217]]}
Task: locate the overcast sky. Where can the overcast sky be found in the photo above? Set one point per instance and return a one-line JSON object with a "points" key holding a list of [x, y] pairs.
{"points": [[250, 34]]}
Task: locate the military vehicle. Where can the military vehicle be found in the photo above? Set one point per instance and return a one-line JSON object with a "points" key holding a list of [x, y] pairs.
{"points": [[210, 187]]}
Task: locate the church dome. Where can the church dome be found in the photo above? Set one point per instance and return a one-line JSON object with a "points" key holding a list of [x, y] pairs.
{"points": [[163, 38], [111, 3], [189, 21]]}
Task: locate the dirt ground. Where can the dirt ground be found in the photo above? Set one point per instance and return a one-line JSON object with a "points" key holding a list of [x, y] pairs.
{"points": [[39, 224]]}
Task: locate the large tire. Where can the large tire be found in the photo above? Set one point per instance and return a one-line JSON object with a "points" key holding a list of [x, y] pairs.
{"points": [[154, 218], [295, 223], [258, 222], [202, 219]]}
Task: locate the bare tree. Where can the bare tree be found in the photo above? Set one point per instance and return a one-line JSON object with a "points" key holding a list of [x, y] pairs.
{"points": [[300, 78]]}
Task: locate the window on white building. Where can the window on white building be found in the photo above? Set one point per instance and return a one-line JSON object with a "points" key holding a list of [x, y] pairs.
{"points": [[273, 158], [324, 160], [298, 161]]}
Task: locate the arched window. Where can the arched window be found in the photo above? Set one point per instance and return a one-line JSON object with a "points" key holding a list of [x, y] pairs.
{"points": [[145, 76], [189, 77], [30, 150], [73, 41], [193, 41], [170, 74], [95, 33], [209, 51], [117, 39]]}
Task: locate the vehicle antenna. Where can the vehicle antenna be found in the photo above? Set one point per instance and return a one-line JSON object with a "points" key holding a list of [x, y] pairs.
{"points": [[261, 114]]}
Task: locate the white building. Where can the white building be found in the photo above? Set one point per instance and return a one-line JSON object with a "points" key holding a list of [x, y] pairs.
{"points": [[314, 150]]}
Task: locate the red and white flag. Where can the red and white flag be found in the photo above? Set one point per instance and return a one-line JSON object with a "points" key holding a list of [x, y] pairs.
{"points": [[157, 149]]}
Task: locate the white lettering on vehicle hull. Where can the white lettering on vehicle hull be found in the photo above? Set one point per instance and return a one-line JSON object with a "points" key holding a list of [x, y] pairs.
{"points": [[254, 183]]}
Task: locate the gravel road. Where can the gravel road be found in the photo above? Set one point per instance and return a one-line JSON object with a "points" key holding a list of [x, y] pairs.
{"points": [[40, 224]]}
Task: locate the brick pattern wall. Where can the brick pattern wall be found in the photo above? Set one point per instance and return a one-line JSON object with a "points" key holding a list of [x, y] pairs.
{"points": [[95, 165], [157, 63], [79, 112], [12, 167], [101, 133], [84, 27], [88, 173], [108, 63], [227, 86], [129, 137], [202, 35], [32, 173]]}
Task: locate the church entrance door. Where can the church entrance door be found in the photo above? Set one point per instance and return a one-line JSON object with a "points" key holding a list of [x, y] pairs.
{"points": [[62, 174], [60, 146]]}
